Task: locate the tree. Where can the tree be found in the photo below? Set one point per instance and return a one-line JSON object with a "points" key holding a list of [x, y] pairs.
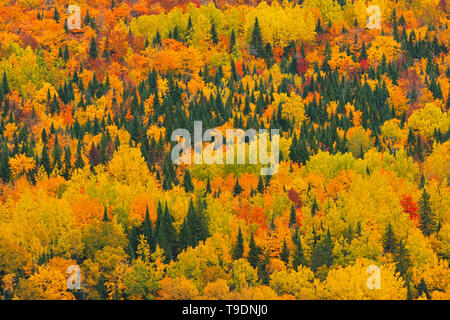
{"points": [[322, 253], [187, 182], [213, 32], [93, 49], [284, 255], [56, 15], [389, 241], [427, 218], [105, 216], [293, 217], [402, 258], [257, 43], [298, 258], [423, 289], [238, 249], [237, 188], [254, 252]]}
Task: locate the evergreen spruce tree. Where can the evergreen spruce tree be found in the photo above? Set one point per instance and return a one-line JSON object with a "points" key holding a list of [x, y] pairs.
{"points": [[105, 216], [56, 15], [101, 288], [314, 207], [422, 288], [284, 255], [257, 43], [254, 252], [238, 249], [237, 188], [185, 238], [147, 230], [187, 182], [402, 258], [298, 258], [232, 41], [293, 218], [260, 185], [213, 32], [93, 49], [389, 241], [322, 253], [427, 218]]}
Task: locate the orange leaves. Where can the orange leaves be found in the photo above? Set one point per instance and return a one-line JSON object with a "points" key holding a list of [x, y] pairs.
{"points": [[175, 56], [139, 206], [86, 210], [21, 164]]}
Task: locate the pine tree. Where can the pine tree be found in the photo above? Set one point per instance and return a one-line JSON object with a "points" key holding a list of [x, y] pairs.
{"points": [[208, 187], [232, 41], [422, 288], [105, 216], [254, 252], [260, 185], [322, 253], [237, 188], [284, 255], [187, 182], [56, 15], [389, 241], [298, 258], [101, 288], [147, 230], [257, 43], [93, 49], [185, 238], [314, 207], [402, 258], [213, 32], [263, 272], [79, 163], [293, 218], [45, 160], [427, 218], [238, 249]]}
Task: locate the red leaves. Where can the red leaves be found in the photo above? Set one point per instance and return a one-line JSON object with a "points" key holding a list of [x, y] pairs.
{"points": [[364, 64], [410, 207], [302, 66], [295, 198]]}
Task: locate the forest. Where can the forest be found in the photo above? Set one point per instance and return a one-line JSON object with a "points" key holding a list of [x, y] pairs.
{"points": [[92, 207]]}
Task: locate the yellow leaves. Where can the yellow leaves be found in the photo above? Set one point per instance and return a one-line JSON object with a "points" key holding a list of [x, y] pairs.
{"points": [[383, 45], [217, 290], [330, 10], [21, 164], [428, 119], [128, 166], [297, 283], [156, 132], [48, 283], [177, 289], [392, 130], [342, 62], [10, 129], [435, 274], [437, 164], [350, 283], [281, 23], [358, 140]]}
